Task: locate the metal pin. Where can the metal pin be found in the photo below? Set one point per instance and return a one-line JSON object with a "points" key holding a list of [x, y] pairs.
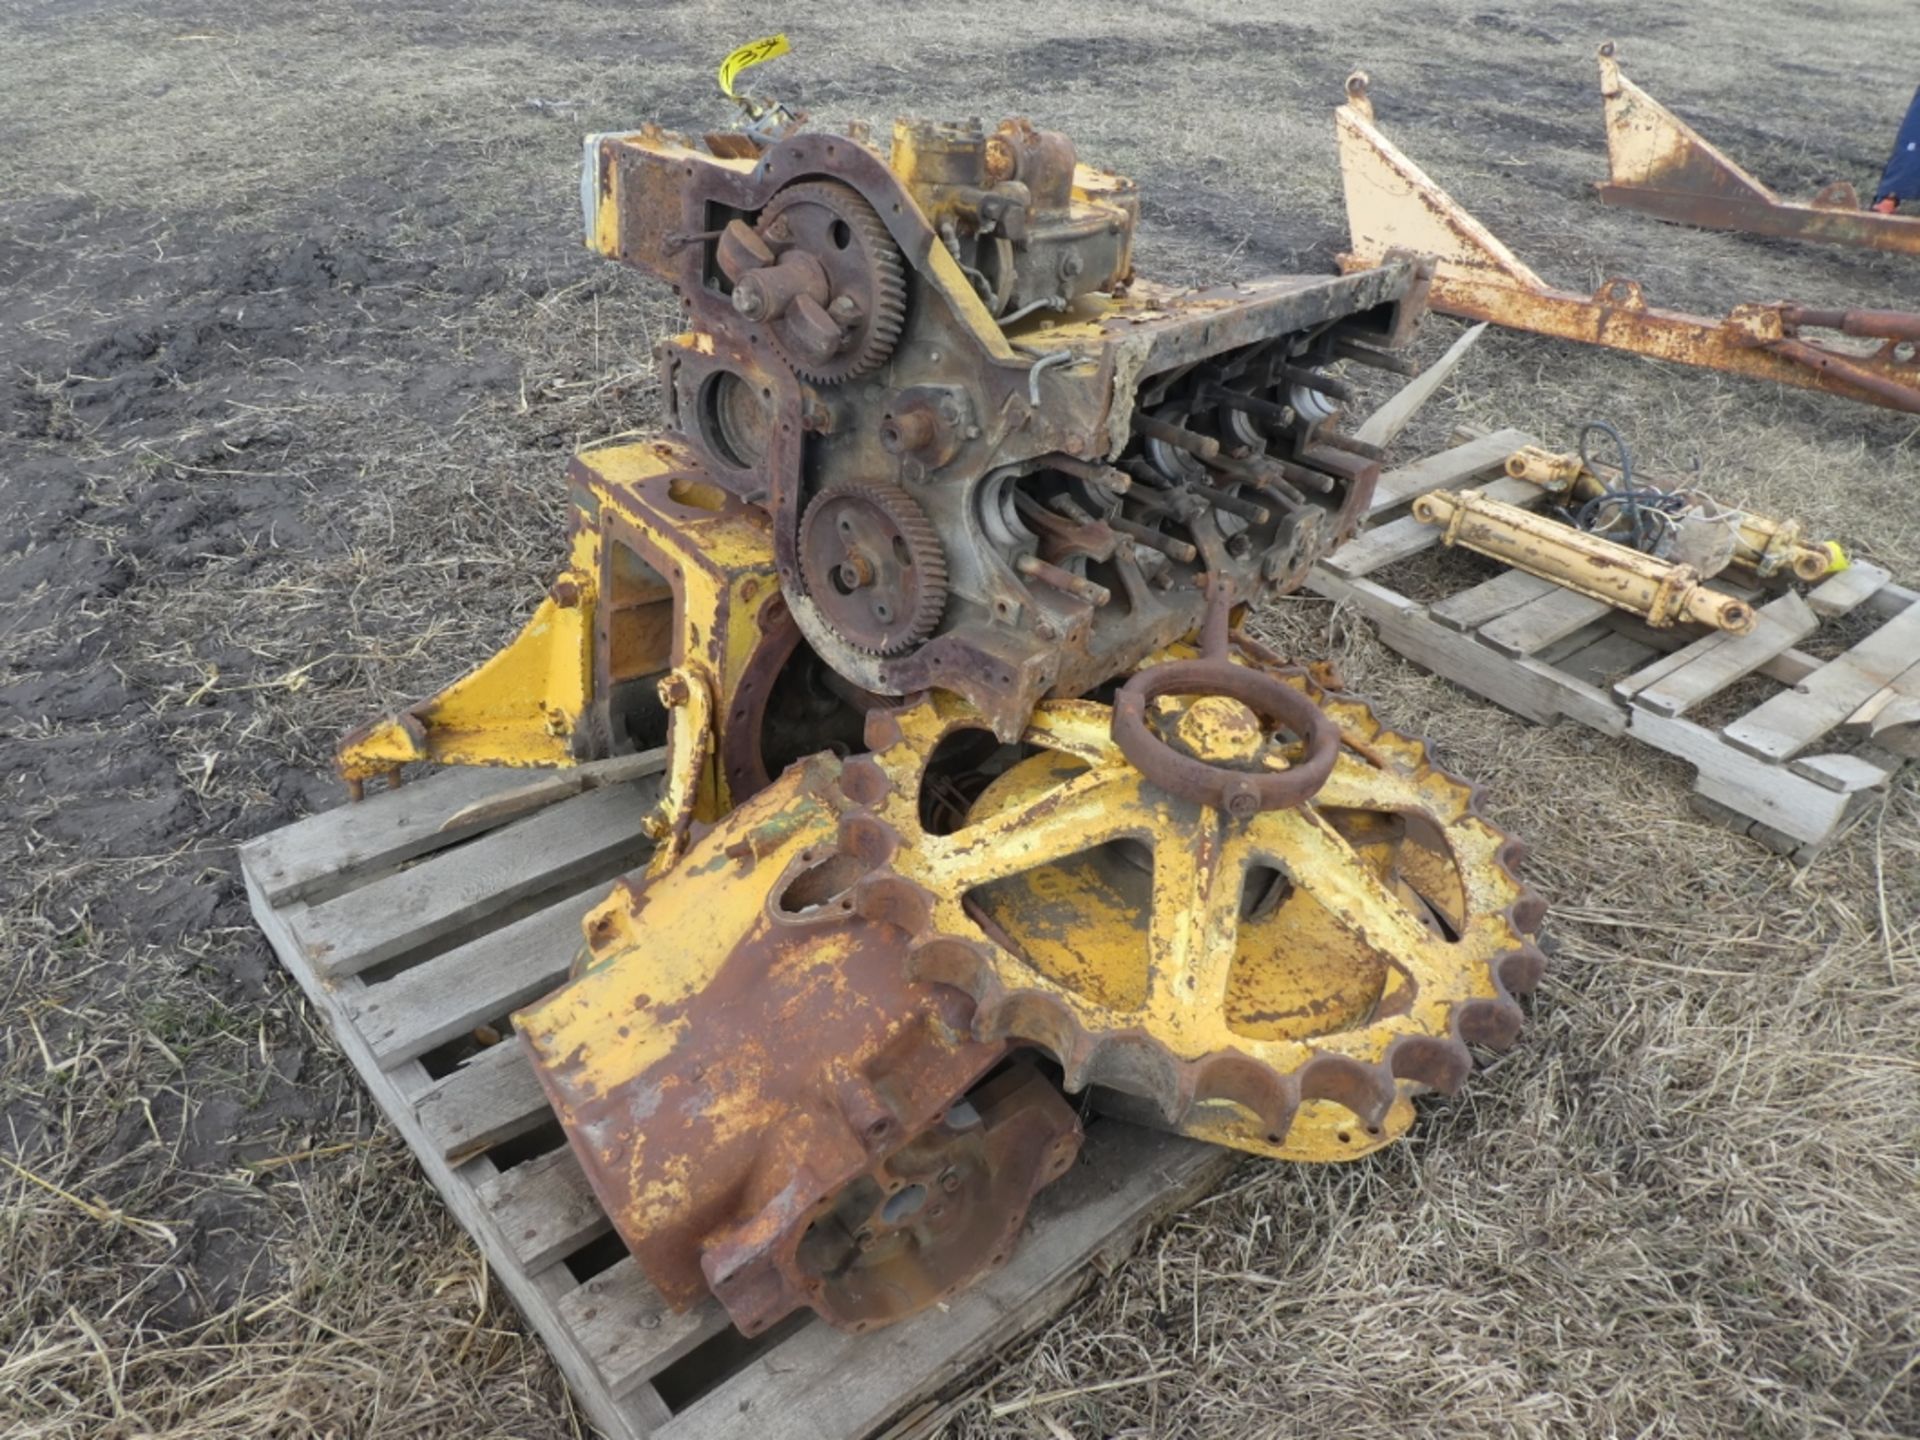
{"points": [[1034, 568]]}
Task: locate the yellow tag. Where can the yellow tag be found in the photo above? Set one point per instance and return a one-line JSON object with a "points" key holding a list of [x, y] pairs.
{"points": [[746, 57], [1840, 561]]}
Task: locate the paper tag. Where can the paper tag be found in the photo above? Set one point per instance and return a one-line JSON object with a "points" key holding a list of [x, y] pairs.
{"points": [[746, 57]]}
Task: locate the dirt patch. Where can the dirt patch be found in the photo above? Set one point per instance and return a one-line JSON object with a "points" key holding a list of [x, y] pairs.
{"points": [[299, 333]]}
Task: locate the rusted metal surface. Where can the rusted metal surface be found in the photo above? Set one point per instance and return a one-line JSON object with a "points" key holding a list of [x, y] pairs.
{"points": [[1393, 207], [1659, 164], [1284, 983], [1205, 758], [727, 1087], [1660, 591], [1017, 353], [937, 466]]}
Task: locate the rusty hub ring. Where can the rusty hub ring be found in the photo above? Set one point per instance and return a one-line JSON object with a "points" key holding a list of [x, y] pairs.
{"points": [[1239, 793]]}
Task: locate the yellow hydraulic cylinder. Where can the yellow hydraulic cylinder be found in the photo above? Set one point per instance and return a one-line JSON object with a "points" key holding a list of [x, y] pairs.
{"points": [[1662, 592], [1760, 543]]}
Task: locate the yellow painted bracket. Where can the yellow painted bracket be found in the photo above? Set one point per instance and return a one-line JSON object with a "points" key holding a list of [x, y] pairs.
{"points": [[520, 707], [1657, 163], [690, 792], [1392, 205]]}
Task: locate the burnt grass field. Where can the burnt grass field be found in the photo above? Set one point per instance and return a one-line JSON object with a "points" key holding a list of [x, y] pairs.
{"points": [[298, 333]]}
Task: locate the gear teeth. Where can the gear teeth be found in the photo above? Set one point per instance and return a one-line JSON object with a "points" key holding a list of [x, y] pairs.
{"points": [[1133, 1061], [1529, 912], [1367, 1090], [886, 281], [1272, 1096], [1519, 971], [1491, 1024], [916, 532], [1136, 1063]]}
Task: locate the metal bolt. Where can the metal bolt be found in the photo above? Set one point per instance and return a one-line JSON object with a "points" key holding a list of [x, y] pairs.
{"points": [[749, 300]]}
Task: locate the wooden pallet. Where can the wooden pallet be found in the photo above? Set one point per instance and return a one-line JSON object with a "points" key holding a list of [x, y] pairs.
{"points": [[409, 939], [1790, 768]]}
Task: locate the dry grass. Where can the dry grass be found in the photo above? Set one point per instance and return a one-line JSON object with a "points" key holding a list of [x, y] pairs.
{"points": [[1685, 1205]]}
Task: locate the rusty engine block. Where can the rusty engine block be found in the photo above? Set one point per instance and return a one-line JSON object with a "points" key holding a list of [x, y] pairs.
{"points": [[973, 795]]}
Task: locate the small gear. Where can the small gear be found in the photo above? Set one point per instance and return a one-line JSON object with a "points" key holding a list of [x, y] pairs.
{"points": [[852, 329], [874, 566]]}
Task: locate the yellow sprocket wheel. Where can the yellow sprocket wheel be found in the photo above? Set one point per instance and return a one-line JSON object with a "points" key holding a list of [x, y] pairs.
{"points": [[1284, 983]]}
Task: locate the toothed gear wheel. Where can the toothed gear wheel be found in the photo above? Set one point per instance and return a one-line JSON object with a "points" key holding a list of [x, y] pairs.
{"points": [[875, 567], [865, 278], [1284, 984]]}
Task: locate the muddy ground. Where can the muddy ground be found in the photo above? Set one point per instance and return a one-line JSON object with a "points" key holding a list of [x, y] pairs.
{"points": [[297, 333]]}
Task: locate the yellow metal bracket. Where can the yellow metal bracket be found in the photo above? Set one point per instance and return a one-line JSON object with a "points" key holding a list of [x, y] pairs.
{"points": [[1658, 164], [689, 793], [520, 707], [1392, 205]]}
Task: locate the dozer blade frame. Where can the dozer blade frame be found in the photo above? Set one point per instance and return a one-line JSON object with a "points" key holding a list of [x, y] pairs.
{"points": [[1392, 205], [1657, 163]]}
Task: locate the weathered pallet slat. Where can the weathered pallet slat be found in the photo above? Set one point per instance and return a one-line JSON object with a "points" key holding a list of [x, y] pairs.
{"points": [[1854, 585], [396, 985], [1538, 623], [412, 908], [492, 1098], [1721, 659], [1479, 459], [1794, 719], [337, 846], [1490, 599], [1786, 772], [631, 1334], [1597, 660], [458, 989], [545, 1208]]}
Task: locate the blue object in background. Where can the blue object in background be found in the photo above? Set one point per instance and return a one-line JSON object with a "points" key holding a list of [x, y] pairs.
{"points": [[1902, 178]]}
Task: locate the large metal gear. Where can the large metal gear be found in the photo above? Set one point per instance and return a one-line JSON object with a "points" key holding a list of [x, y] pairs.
{"points": [[1283, 983], [824, 277], [874, 566]]}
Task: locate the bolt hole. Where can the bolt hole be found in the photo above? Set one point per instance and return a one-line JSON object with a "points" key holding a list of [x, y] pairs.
{"points": [[1344, 1138], [1272, 1139], [841, 234]]}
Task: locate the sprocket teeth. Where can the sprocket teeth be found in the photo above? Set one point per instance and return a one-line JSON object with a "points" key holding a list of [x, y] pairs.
{"points": [[1367, 1090], [1529, 912], [1441, 1063], [1519, 972], [1490, 1024], [1129, 1058], [1138, 1064], [1268, 1093]]}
